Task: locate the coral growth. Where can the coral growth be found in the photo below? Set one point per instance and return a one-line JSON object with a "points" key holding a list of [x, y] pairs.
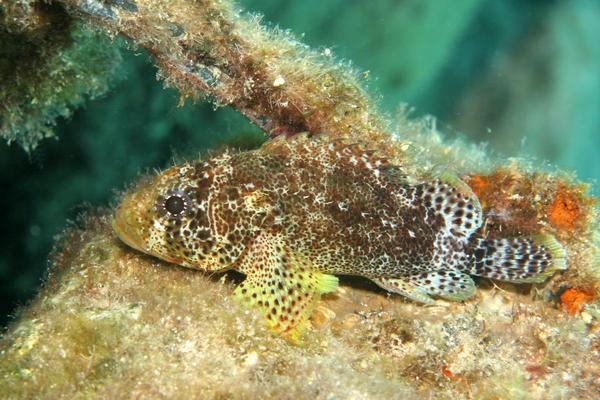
{"points": [[111, 323], [522, 202]]}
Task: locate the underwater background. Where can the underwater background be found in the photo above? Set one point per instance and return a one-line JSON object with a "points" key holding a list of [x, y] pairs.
{"points": [[523, 76]]}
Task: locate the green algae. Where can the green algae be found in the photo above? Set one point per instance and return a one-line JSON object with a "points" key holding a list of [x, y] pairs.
{"points": [[49, 65]]}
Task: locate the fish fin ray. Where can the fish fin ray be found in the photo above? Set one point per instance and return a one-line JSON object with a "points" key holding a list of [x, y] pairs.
{"points": [[406, 288], [448, 284], [282, 285], [520, 260]]}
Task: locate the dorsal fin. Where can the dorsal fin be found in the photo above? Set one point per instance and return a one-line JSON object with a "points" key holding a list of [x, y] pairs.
{"points": [[284, 140], [362, 151], [371, 157], [356, 152]]}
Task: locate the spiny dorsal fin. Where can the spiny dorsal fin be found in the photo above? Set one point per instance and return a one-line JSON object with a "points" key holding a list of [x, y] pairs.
{"points": [[355, 152], [285, 140]]}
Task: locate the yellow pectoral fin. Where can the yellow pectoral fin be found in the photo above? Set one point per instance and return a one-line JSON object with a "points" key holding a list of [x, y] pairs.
{"points": [[282, 285]]}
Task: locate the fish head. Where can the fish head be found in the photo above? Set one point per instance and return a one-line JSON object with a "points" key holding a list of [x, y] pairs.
{"points": [[166, 216]]}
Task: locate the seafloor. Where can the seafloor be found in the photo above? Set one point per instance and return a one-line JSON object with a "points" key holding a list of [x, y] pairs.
{"points": [[113, 323]]}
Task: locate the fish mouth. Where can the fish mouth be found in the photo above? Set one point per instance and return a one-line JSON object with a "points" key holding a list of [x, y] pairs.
{"points": [[123, 225], [132, 214], [126, 223]]}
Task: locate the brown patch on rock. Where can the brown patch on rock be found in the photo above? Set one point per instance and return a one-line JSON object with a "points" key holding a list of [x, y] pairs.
{"points": [[524, 203], [507, 198]]}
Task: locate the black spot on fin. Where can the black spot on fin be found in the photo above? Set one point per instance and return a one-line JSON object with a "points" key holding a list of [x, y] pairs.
{"points": [[282, 285], [521, 259]]}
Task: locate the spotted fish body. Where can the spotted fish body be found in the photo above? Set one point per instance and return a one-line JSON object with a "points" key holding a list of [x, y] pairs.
{"points": [[295, 212]]}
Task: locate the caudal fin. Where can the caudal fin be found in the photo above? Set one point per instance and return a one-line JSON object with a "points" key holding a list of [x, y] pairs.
{"points": [[519, 260]]}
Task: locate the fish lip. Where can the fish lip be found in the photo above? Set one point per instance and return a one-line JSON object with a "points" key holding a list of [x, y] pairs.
{"points": [[127, 235], [125, 231]]}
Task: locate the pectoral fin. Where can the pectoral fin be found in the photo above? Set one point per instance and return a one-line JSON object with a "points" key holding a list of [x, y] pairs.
{"points": [[281, 284]]}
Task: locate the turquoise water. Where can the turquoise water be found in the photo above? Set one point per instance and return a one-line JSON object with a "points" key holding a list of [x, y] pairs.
{"points": [[520, 75]]}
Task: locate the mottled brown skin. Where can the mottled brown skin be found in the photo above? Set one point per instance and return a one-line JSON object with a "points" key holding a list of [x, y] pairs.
{"points": [[297, 209], [320, 204]]}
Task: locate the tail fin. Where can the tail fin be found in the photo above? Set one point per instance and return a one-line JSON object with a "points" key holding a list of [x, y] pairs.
{"points": [[520, 260]]}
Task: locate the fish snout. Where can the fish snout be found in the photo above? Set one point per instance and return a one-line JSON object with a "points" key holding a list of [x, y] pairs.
{"points": [[127, 222]]}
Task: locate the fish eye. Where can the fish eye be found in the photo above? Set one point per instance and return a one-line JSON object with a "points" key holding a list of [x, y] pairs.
{"points": [[174, 203]]}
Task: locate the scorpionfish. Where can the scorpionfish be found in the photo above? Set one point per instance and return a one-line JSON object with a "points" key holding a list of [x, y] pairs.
{"points": [[298, 210]]}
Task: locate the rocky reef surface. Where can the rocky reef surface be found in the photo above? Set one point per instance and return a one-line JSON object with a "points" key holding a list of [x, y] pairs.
{"points": [[113, 323]]}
